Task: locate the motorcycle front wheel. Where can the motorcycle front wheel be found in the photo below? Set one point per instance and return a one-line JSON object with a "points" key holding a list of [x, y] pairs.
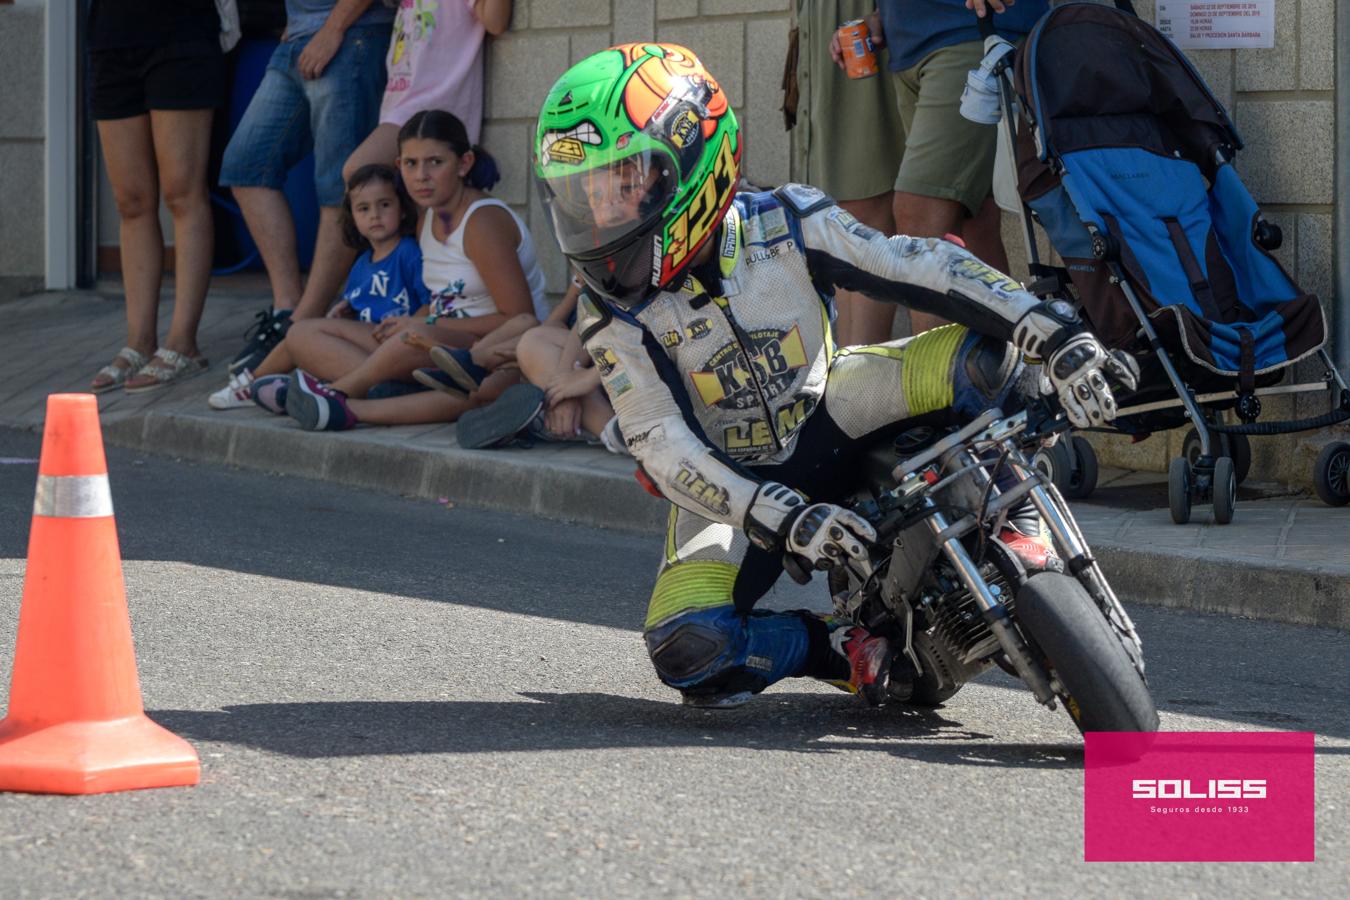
{"points": [[1105, 691]]}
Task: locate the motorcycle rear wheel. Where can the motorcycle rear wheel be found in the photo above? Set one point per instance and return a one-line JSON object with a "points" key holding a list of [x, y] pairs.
{"points": [[1105, 691]]}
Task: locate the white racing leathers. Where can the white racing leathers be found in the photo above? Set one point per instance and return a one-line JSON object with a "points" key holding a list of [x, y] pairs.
{"points": [[707, 380]]}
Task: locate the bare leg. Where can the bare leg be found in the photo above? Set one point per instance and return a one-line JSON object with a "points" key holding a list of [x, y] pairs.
{"points": [[411, 409], [983, 235], [269, 221], [129, 153], [278, 362], [503, 337], [539, 351], [539, 354], [861, 319], [332, 261], [380, 146], [182, 142], [326, 348], [920, 216], [392, 360]]}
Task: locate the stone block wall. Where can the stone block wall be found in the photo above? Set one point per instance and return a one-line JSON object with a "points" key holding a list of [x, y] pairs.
{"points": [[22, 241]]}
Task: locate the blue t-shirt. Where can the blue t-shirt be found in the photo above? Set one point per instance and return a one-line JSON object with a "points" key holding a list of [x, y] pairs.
{"points": [[304, 17], [391, 287], [915, 28]]}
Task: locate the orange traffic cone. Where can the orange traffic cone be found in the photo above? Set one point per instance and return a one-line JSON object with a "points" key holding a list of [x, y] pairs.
{"points": [[76, 724]]}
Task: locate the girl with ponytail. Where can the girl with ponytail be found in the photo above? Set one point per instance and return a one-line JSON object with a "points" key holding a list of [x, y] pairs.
{"points": [[478, 264]]}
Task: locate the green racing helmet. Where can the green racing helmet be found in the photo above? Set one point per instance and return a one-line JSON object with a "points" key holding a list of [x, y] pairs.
{"points": [[636, 155]]}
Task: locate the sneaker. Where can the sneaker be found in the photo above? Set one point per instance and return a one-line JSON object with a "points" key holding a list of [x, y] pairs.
{"points": [[500, 421], [235, 395], [612, 438], [1034, 552], [869, 659], [384, 390], [267, 330], [315, 405], [459, 365], [269, 392], [440, 381]]}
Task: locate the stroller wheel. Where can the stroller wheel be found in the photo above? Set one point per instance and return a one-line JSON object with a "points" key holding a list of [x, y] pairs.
{"points": [[1179, 490], [1331, 474], [1083, 478], [1235, 446], [1225, 490], [1054, 463]]}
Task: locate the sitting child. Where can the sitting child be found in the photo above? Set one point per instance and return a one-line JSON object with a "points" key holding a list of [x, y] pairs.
{"points": [[481, 372], [562, 399], [478, 260], [378, 217]]}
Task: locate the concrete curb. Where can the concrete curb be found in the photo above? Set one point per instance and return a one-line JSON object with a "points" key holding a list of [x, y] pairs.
{"points": [[588, 486]]}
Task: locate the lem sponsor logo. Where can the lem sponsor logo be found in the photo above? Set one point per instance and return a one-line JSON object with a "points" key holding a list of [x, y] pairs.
{"points": [[692, 483]]}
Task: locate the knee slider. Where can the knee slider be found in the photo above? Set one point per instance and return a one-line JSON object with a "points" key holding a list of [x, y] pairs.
{"points": [[986, 374], [695, 648]]}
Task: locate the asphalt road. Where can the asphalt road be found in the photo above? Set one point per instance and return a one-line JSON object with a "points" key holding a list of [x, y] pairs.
{"points": [[395, 698]]}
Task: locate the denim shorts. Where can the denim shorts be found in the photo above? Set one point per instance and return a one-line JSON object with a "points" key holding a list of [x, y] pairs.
{"points": [[289, 116]]}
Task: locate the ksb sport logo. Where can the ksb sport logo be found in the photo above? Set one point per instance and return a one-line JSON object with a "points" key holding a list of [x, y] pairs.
{"points": [[1214, 789]]}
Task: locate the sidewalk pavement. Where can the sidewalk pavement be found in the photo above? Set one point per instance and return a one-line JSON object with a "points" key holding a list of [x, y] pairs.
{"points": [[1282, 559]]}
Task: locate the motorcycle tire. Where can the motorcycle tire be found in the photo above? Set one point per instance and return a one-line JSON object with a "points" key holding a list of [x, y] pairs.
{"points": [[1105, 691]]}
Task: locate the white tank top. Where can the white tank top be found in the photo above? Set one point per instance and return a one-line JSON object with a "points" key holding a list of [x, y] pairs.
{"points": [[457, 290]]}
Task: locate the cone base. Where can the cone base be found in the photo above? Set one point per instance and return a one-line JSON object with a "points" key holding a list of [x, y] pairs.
{"points": [[93, 757]]}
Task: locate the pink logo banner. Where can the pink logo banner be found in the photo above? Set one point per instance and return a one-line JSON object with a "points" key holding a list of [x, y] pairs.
{"points": [[1213, 796]]}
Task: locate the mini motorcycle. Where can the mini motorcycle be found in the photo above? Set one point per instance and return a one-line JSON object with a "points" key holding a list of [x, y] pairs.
{"points": [[942, 586]]}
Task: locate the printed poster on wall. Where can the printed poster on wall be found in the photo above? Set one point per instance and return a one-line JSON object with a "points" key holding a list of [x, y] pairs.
{"points": [[1217, 24]]}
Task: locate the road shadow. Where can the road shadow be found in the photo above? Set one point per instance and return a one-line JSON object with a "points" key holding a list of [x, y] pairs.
{"points": [[587, 721]]}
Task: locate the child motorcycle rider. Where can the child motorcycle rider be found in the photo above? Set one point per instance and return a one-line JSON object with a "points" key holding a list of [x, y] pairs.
{"points": [[707, 312]]}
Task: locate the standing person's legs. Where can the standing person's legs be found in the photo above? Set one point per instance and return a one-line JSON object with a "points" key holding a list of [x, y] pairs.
{"points": [[344, 107], [851, 140], [269, 221], [182, 144], [129, 154], [948, 167], [863, 320], [271, 138]]}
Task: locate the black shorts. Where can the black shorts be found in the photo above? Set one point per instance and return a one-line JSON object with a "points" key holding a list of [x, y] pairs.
{"points": [[134, 80]]}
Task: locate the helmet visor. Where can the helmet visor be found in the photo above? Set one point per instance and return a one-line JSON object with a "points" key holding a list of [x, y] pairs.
{"points": [[601, 209]]}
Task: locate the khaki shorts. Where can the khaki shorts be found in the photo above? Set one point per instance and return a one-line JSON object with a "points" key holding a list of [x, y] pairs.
{"points": [[946, 155], [849, 139]]}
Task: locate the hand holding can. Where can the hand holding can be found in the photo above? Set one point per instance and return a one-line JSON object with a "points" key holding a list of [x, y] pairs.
{"points": [[855, 45]]}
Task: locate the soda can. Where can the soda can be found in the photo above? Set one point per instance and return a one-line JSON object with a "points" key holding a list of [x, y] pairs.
{"points": [[855, 41]]}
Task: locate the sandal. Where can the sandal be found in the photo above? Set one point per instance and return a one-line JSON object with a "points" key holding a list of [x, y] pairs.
{"points": [[165, 367], [117, 375]]}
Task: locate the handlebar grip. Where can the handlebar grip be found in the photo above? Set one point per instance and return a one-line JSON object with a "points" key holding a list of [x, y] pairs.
{"points": [[986, 24], [792, 564]]}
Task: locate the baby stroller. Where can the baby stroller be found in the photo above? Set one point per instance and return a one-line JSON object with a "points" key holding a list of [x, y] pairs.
{"points": [[1124, 158]]}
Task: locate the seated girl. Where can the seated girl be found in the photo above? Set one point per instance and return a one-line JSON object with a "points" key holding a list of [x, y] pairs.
{"points": [[478, 261], [379, 218]]}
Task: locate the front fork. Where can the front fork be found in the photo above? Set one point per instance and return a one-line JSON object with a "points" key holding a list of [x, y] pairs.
{"points": [[1069, 540]]}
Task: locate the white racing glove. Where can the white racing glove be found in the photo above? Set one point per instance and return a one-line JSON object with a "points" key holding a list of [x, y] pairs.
{"points": [[1076, 363], [825, 534], [1078, 371], [822, 533]]}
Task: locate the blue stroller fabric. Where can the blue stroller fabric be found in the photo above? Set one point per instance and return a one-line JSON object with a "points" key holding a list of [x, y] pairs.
{"points": [[1130, 141]]}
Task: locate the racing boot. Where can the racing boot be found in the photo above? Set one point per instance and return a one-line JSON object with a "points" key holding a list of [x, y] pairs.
{"points": [[863, 661], [1033, 550]]}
